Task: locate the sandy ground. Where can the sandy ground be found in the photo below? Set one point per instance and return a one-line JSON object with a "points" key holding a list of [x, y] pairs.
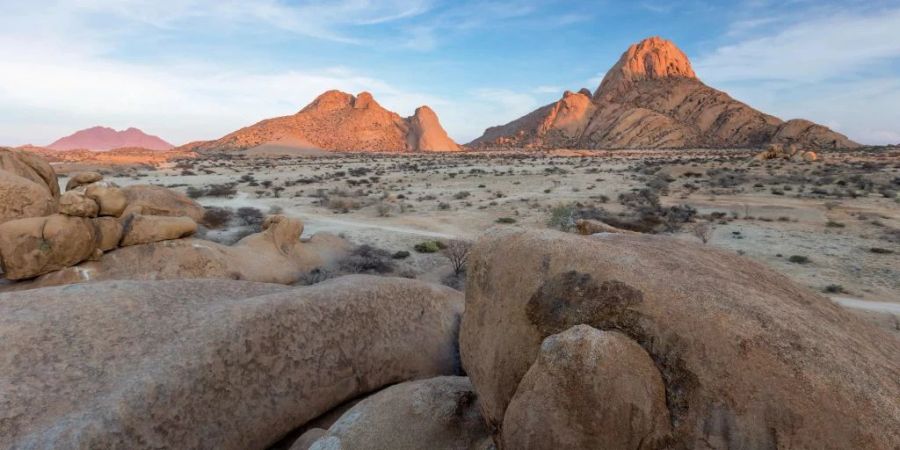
{"points": [[833, 212]]}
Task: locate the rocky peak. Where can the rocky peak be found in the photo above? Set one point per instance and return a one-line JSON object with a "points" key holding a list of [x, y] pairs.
{"points": [[652, 58], [330, 100], [364, 100]]}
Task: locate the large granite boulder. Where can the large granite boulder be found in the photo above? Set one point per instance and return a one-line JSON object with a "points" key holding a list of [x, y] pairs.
{"points": [[208, 363], [28, 186], [38, 245], [748, 358]]}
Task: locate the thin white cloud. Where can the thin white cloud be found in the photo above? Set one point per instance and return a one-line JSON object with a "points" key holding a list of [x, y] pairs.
{"points": [[834, 70], [811, 50]]}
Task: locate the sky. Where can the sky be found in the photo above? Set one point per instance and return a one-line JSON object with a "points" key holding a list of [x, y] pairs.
{"points": [[191, 70]]}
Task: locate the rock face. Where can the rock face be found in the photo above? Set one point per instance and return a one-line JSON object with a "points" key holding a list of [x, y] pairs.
{"points": [[341, 122], [28, 186], [748, 359], [209, 363], [585, 380], [651, 98], [103, 138], [82, 178], [77, 204], [438, 413], [275, 255]]}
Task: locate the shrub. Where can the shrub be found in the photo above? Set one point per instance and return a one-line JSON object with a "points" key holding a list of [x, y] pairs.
{"points": [[250, 216], [881, 251], [195, 192], [461, 195], [367, 259], [402, 254], [798, 259], [833, 224], [457, 252], [216, 217], [428, 247], [834, 289], [221, 190], [506, 220]]}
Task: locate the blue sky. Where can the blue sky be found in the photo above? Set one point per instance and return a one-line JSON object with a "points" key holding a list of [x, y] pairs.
{"points": [[198, 69]]}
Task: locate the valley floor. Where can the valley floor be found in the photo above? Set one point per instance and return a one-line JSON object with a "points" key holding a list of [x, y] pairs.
{"points": [[832, 225]]}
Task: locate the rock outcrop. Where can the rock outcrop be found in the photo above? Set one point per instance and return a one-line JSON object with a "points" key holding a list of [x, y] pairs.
{"points": [[339, 121], [651, 98], [104, 138], [437, 413], [28, 186], [34, 246], [275, 255], [209, 363], [748, 359]]}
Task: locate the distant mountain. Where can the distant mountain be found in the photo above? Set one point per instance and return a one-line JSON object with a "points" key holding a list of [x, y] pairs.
{"points": [[338, 121], [103, 138], [651, 98]]}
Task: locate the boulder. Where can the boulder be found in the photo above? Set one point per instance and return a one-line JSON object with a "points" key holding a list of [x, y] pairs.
{"points": [[74, 203], [438, 413], [588, 389], [209, 363], [159, 201], [255, 258], [110, 197], [31, 167], [81, 179], [748, 358], [140, 229], [21, 198], [109, 232], [38, 245]]}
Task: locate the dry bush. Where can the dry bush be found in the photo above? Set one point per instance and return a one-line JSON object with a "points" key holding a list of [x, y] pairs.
{"points": [[457, 251]]}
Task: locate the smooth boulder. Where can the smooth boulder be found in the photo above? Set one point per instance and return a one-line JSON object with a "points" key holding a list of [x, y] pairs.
{"points": [[31, 167], [140, 229], [73, 203], [748, 358], [209, 363], [110, 197], [38, 245], [21, 198], [437, 413], [159, 201], [82, 178], [585, 380]]}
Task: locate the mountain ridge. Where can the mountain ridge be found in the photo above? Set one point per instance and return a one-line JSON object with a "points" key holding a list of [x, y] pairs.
{"points": [[651, 98], [100, 138]]}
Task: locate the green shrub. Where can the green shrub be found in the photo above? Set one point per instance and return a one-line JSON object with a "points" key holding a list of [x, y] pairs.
{"points": [[401, 254], [428, 247], [506, 220]]}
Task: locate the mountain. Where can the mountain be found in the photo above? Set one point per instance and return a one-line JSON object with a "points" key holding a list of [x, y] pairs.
{"points": [[103, 138], [651, 98], [339, 121]]}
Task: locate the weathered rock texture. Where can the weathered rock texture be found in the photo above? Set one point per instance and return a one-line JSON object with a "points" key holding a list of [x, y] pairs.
{"points": [[438, 413], [748, 358], [208, 363], [81, 179], [585, 381], [341, 122], [275, 255], [651, 98], [159, 201], [28, 186]]}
